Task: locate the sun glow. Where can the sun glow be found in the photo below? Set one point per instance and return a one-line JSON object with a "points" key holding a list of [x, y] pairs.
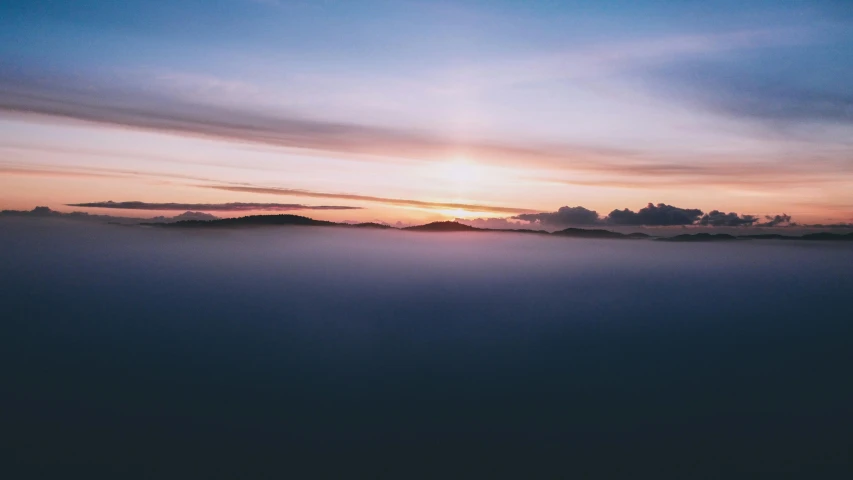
{"points": [[459, 174], [461, 171]]}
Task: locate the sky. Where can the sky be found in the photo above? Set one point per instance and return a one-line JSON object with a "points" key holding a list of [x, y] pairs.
{"points": [[415, 111]]}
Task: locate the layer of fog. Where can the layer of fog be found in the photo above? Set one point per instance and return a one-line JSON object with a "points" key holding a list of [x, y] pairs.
{"points": [[233, 346]]}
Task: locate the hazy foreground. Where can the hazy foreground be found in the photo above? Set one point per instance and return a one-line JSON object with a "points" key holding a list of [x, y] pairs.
{"points": [[148, 352]]}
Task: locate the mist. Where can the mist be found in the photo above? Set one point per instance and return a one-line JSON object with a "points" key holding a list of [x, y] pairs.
{"points": [[150, 352]]}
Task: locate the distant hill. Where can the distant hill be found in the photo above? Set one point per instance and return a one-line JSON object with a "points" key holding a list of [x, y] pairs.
{"points": [[768, 236], [380, 226], [205, 220], [445, 227], [598, 233], [825, 236], [251, 220], [461, 227], [700, 237], [520, 230], [821, 236], [185, 216], [46, 212], [269, 220]]}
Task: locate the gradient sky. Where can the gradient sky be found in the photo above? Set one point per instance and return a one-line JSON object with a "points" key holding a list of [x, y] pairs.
{"points": [[420, 111]]}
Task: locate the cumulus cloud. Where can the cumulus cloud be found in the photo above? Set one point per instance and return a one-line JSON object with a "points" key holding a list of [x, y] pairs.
{"points": [[717, 218], [660, 215], [655, 215], [212, 207], [563, 216], [777, 220]]}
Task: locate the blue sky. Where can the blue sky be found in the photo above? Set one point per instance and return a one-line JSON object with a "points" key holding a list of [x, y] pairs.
{"points": [[731, 105]]}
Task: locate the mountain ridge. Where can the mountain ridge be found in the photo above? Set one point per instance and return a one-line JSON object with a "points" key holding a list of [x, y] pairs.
{"points": [[204, 220]]}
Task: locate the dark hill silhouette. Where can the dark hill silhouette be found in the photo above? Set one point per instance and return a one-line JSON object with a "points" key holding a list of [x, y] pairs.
{"points": [[519, 230], [768, 236], [820, 236], [380, 226], [598, 233], [445, 227], [268, 220], [252, 220], [700, 237], [826, 236], [46, 212], [200, 220]]}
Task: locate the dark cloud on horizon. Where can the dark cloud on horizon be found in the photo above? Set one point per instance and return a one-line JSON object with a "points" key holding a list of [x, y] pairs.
{"points": [[655, 215], [660, 215], [212, 207], [717, 218], [563, 216], [777, 220]]}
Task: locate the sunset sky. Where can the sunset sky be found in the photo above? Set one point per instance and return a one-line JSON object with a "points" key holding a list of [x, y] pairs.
{"points": [[416, 111]]}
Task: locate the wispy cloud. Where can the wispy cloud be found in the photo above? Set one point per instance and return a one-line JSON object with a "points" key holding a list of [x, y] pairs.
{"points": [[608, 58], [210, 207], [368, 198], [89, 101], [91, 172], [37, 171], [775, 101], [97, 101]]}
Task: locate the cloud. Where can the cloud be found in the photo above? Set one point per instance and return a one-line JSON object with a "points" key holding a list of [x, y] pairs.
{"points": [[100, 102], [211, 207], [655, 215], [776, 96], [39, 171], [651, 215], [563, 216], [792, 105], [660, 215], [77, 171], [50, 93], [717, 218], [609, 58], [777, 220], [775, 104], [367, 198]]}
